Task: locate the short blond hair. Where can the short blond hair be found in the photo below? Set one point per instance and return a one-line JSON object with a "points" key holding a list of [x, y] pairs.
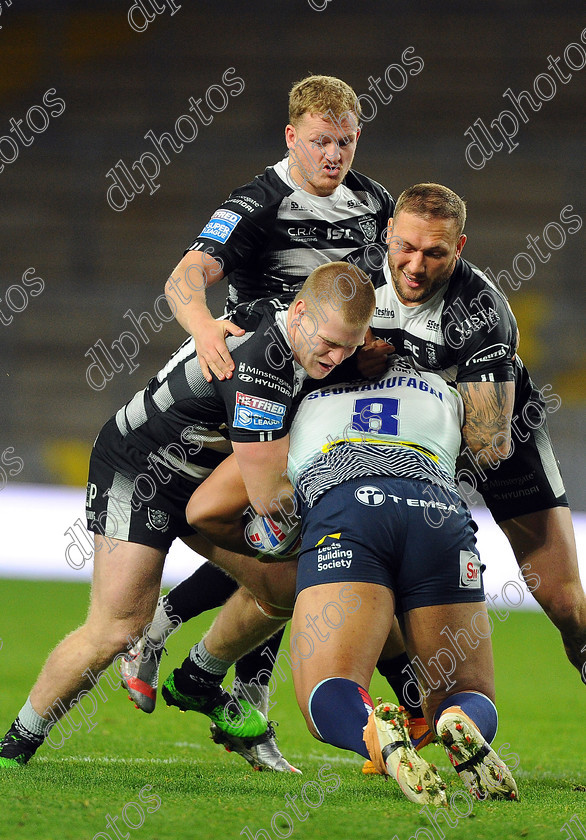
{"points": [[345, 287], [323, 95]]}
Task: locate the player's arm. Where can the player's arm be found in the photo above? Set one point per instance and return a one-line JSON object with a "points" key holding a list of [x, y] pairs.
{"points": [[220, 510], [263, 466], [186, 292], [217, 506], [488, 410]]}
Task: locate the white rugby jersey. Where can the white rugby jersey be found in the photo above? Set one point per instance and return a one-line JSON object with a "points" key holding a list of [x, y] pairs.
{"points": [[270, 234], [407, 423]]}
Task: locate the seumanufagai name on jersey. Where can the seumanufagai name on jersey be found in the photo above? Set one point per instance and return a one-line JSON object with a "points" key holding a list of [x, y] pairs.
{"points": [[383, 384]]}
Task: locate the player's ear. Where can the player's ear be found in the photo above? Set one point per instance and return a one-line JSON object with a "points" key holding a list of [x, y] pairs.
{"points": [[299, 309], [460, 245], [389, 230], [290, 136]]}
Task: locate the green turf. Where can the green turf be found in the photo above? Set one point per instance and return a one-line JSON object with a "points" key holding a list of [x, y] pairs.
{"points": [[199, 791]]}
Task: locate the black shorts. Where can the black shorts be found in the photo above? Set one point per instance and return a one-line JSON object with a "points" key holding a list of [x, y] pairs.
{"points": [[528, 480], [134, 506], [406, 535]]}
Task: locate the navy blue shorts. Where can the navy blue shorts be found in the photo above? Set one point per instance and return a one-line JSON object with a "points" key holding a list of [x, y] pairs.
{"points": [[410, 536]]}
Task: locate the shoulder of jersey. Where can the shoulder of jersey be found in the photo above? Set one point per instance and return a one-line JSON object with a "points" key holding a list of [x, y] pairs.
{"points": [[250, 314], [372, 260], [469, 278], [262, 193], [356, 180]]}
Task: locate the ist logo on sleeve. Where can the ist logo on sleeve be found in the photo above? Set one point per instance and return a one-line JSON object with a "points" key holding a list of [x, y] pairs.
{"points": [[257, 414]]}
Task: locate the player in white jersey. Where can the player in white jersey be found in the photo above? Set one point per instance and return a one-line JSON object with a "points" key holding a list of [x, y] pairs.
{"points": [[384, 532]]}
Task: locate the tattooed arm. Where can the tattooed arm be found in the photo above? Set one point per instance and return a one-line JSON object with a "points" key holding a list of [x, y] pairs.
{"points": [[488, 409]]}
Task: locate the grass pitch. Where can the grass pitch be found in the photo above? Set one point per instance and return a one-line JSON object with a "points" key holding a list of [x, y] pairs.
{"points": [[95, 785]]}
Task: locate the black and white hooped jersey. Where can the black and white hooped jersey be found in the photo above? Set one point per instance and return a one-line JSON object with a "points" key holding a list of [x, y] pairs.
{"points": [[184, 423], [270, 234]]}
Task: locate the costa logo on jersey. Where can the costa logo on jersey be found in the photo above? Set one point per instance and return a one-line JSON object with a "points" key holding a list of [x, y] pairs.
{"points": [[257, 414], [221, 225], [469, 570], [369, 495]]}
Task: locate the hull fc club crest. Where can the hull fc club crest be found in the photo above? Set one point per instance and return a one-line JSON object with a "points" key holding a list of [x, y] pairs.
{"points": [[158, 519], [368, 228]]}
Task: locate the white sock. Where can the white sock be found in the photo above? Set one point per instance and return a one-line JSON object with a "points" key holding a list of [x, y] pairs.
{"points": [[201, 656], [32, 721], [163, 624]]}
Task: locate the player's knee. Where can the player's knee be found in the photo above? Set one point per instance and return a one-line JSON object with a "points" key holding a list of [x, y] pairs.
{"points": [[278, 584], [113, 634]]}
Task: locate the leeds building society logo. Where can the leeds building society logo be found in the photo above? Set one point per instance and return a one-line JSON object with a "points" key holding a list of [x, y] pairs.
{"points": [[331, 555], [369, 495], [469, 570], [257, 414]]}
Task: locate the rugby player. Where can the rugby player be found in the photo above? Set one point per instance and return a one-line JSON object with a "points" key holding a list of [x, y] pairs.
{"points": [[384, 532], [307, 209], [373, 465], [167, 439], [447, 316]]}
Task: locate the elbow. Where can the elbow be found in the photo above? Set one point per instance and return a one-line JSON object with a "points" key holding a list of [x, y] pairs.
{"points": [[489, 451], [170, 293], [280, 503]]}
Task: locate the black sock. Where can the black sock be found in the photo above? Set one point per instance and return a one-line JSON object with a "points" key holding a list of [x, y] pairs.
{"points": [[392, 671], [208, 587], [256, 666], [189, 678]]}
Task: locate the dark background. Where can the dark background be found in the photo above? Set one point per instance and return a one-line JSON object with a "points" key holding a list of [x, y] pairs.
{"points": [[118, 84]]}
